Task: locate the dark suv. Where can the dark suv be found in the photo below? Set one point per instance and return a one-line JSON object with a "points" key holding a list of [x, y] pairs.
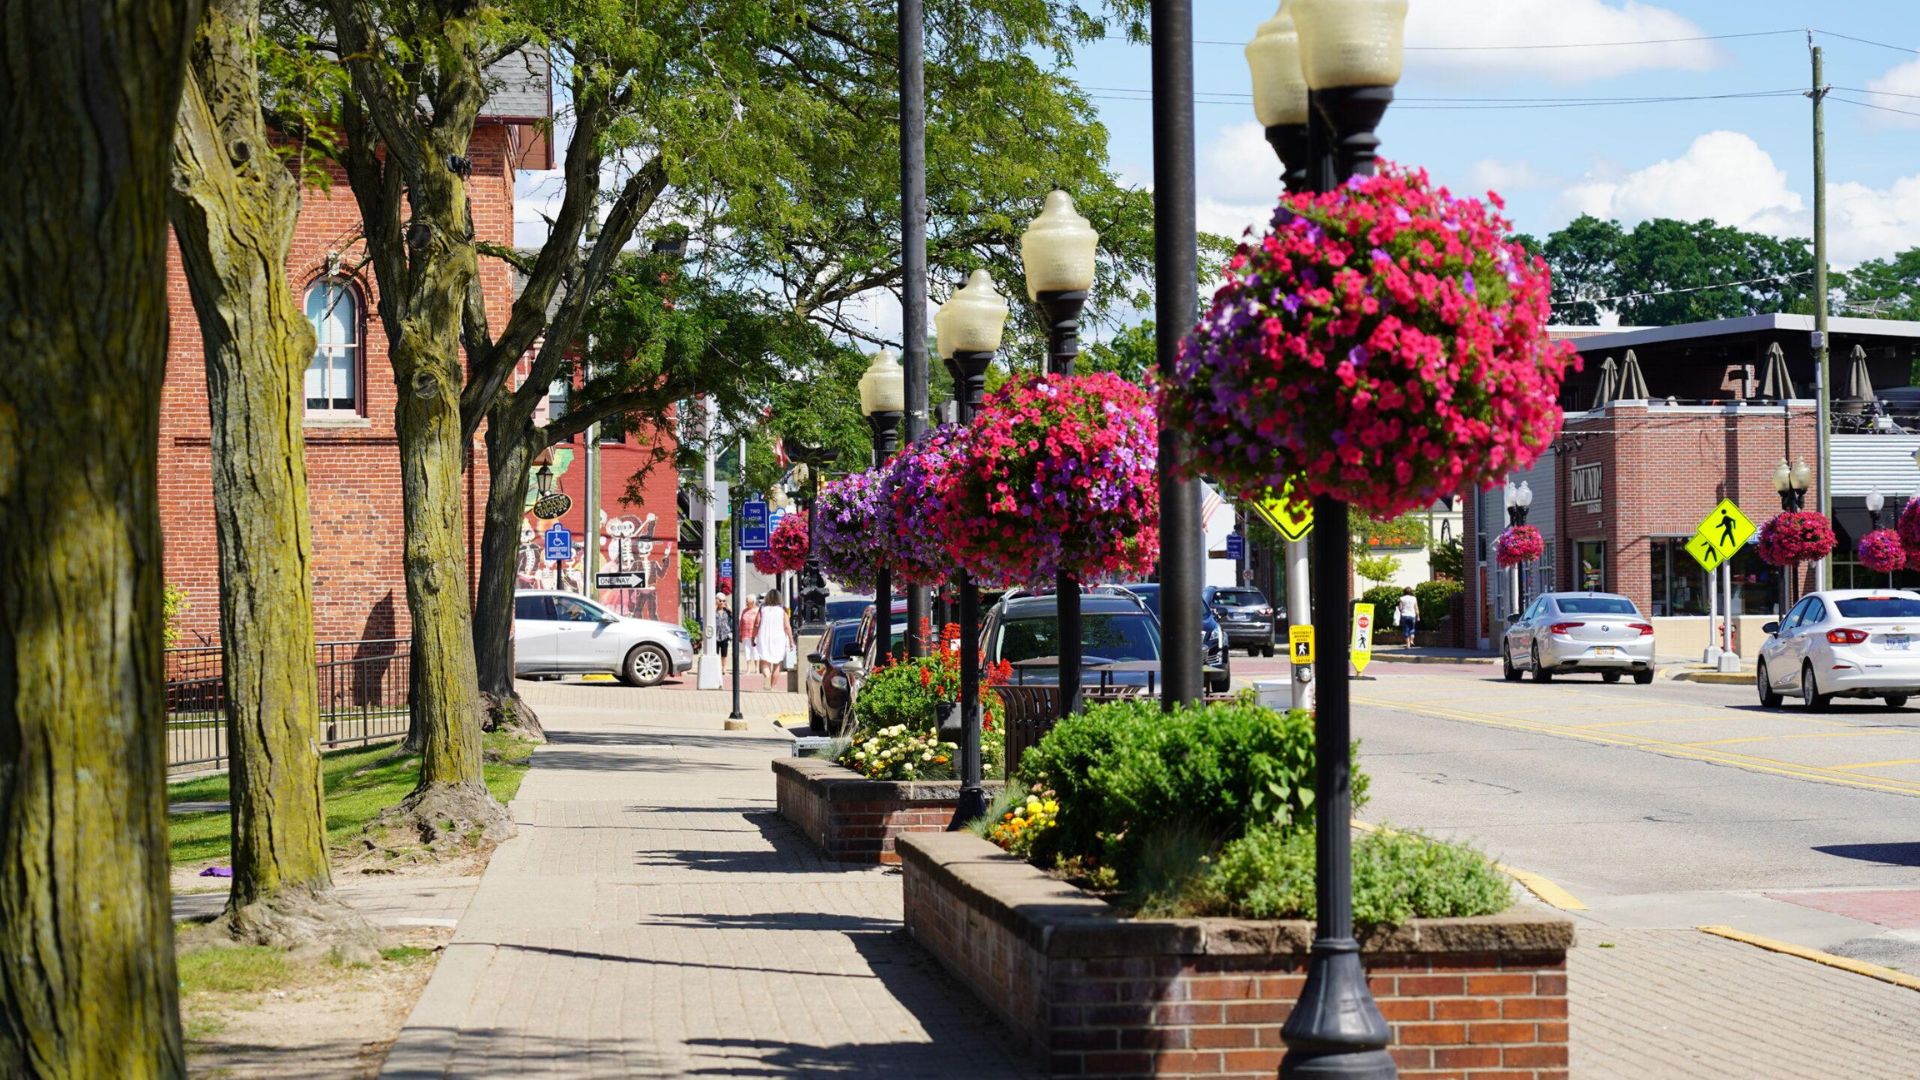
{"points": [[1244, 614], [1213, 639], [1114, 628]]}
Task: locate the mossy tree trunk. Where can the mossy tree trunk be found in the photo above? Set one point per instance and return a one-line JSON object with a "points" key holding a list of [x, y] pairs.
{"points": [[508, 458], [234, 208], [408, 121], [88, 93]]}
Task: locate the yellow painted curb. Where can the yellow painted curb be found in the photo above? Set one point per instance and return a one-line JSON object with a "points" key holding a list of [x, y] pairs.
{"points": [[1858, 967], [597, 678], [1545, 891]]}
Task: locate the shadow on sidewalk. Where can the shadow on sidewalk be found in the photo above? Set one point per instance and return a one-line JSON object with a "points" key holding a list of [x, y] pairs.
{"points": [[683, 740], [787, 852], [422, 1053], [607, 761]]}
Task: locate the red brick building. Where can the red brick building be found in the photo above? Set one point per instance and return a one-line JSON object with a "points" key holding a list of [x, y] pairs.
{"points": [[352, 449]]}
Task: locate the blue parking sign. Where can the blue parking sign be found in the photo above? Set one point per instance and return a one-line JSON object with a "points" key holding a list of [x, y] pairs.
{"points": [[1236, 547], [559, 544], [756, 531]]}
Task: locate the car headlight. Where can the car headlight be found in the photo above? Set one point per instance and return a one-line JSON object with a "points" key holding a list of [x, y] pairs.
{"points": [[682, 634]]}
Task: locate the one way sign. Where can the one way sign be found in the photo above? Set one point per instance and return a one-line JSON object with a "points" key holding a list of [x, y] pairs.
{"points": [[618, 581]]}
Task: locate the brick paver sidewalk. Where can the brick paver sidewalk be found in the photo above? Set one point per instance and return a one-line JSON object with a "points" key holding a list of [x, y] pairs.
{"points": [[654, 917]]}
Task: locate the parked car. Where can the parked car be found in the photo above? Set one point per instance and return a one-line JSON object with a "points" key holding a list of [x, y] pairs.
{"points": [[562, 633], [847, 607], [1843, 643], [1213, 639], [1113, 628], [829, 683], [1244, 615], [1579, 631]]}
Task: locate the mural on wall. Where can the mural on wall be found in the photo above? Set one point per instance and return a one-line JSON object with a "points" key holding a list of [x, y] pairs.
{"points": [[628, 546]]}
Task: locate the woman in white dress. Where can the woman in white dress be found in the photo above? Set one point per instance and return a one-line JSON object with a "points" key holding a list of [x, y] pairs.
{"points": [[775, 636]]}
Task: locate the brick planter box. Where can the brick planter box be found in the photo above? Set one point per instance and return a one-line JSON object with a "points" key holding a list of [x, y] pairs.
{"points": [[854, 819], [1094, 994]]}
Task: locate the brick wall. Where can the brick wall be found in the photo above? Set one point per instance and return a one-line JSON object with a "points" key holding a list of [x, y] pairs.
{"points": [[1096, 995], [853, 819]]}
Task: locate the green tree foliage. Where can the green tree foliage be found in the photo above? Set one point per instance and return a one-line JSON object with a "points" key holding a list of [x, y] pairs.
{"points": [[1376, 567], [1408, 531], [1664, 271], [1449, 561], [1884, 288]]}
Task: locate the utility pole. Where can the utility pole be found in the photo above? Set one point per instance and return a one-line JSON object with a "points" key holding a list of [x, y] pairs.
{"points": [[709, 668], [590, 532], [1823, 383], [913, 260]]}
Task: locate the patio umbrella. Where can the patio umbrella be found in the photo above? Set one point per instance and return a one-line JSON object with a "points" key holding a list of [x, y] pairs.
{"points": [[1609, 384], [1859, 383], [1777, 384], [1633, 385]]}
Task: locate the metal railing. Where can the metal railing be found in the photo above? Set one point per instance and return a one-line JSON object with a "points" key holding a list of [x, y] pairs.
{"points": [[363, 698]]}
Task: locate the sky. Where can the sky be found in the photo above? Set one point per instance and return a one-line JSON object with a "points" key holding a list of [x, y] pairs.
{"points": [[1728, 134], [1744, 161]]}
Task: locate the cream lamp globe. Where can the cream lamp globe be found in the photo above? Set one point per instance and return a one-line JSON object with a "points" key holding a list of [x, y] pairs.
{"points": [[1783, 477], [1802, 476], [1279, 85], [1350, 42], [973, 318], [883, 388], [1058, 249]]}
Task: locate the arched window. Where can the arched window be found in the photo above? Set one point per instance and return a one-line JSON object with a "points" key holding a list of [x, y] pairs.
{"points": [[333, 378]]}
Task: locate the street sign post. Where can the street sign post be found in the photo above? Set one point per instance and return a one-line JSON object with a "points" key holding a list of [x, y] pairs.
{"points": [[726, 568], [1300, 645], [1236, 547], [1362, 650], [1725, 529], [755, 528], [618, 581], [559, 544], [1705, 553]]}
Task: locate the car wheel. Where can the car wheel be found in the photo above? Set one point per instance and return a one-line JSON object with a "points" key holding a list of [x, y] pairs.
{"points": [[1810, 695], [1612, 676], [1897, 701], [644, 666], [1540, 672], [1266, 650], [1507, 670], [1643, 678], [1768, 698]]}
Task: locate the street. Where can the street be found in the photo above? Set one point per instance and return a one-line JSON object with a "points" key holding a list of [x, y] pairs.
{"points": [[1664, 806]]}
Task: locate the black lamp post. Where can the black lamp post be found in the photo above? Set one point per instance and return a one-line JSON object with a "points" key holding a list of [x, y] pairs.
{"points": [[1058, 250], [1791, 482], [913, 254], [967, 332], [1323, 73], [883, 392], [813, 583]]}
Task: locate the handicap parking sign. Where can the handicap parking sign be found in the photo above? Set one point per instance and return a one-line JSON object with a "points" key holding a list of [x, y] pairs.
{"points": [[559, 544]]}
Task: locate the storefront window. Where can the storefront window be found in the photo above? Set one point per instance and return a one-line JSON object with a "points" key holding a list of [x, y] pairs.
{"points": [[1590, 565], [1679, 584]]}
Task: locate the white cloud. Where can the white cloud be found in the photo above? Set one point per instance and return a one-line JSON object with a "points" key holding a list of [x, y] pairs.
{"points": [[1230, 219], [1726, 176], [1899, 89], [1239, 165], [1527, 24], [1494, 174]]}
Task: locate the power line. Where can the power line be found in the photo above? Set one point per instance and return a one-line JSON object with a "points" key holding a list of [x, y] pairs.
{"points": [[1866, 41], [1881, 108], [1876, 93], [1676, 292], [1555, 45], [1585, 100], [1491, 103]]}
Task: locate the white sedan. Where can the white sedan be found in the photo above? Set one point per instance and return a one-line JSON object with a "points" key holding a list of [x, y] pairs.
{"points": [[1843, 643], [1563, 632], [562, 633]]}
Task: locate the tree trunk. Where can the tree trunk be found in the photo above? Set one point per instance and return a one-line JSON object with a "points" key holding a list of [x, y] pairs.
{"points": [[87, 99], [509, 453], [234, 209]]}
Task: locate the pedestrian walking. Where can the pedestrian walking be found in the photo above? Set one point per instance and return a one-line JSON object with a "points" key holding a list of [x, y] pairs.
{"points": [[722, 627], [748, 654], [776, 636], [1409, 609]]}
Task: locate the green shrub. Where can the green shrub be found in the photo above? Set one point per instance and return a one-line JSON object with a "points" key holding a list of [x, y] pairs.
{"points": [[1128, 776], [1436, 600], [1376, 567], [1384, 598], [1268, 874], [1449, 561]]}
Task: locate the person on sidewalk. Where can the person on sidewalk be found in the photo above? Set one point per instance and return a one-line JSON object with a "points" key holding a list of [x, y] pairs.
{"points": [[748, 654], [722, 627], [1409, 609], [775, 636]]}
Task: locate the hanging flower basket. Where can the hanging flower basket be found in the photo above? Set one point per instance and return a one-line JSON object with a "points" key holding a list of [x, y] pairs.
{"points": [[1058, 476], [1881, 551], [787, 547], [1385, 340], [1518, 544], [915, 498], [1795, 536], [853, 528], [1908, 523]]}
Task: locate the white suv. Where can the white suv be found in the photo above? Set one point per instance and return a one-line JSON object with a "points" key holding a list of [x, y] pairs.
{"points": [[563, 633]]}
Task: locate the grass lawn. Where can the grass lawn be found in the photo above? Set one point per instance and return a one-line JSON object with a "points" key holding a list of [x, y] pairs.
{"points": [[358, 787]]}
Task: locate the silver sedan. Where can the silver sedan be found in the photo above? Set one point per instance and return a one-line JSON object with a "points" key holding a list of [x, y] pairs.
{"points": [[1569, 631]]}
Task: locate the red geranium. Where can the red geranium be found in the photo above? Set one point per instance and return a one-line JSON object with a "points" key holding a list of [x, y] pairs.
{"points": [[1795, 536], [786, 548], [1518, 544], [1881, 551], [1385, 341]]}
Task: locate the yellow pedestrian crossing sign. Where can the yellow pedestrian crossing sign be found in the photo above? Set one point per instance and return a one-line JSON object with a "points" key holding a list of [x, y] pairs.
{"points": [[1279, 511], [1300, 645], [1704, 553], [1724, 531], [1361, 649]]}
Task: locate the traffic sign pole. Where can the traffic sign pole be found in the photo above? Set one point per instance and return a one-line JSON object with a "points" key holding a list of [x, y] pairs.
{"points": [[1300, 613]]}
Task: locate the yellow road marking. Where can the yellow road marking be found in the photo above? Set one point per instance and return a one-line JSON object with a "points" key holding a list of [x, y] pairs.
{"points": [[1721, 719], [1878, 764], [1547, 892], [1802, 735], [1749, 762], [1858, 967]]}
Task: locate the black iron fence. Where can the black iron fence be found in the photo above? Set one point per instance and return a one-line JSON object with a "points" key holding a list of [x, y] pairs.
{"points": [[363, 698]]}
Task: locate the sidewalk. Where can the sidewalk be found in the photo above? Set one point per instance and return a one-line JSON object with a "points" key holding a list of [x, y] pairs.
{"points": [[655, 918]]}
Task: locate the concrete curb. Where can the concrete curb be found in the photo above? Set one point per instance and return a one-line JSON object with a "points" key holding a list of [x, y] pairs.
{"points": [[1716, 678], [1843, 963], [1397, 658]]}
